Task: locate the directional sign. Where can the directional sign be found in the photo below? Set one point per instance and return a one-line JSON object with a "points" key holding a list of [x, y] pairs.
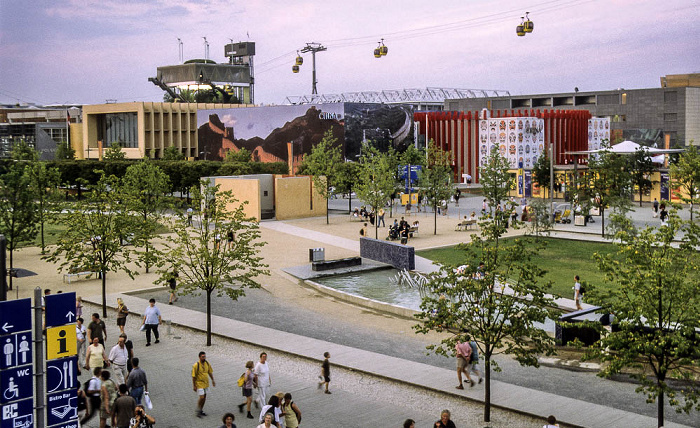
{"points": [[15, 315], [60, 309], [71, 424], [16, 384], [61, 342], [16, 350], [19, 414], [62, 374], [61, 407]]}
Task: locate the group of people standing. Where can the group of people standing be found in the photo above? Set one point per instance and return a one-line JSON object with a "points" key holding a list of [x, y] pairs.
{"points": [[278, 410], [114, 395]]}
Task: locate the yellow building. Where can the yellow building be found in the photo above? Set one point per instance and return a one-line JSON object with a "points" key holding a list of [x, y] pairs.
{"points": [[141, 128]]}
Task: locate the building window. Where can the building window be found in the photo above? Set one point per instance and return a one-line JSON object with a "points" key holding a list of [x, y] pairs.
{"points": [[608, 99], [624, 98], [670, 97], [119, 128], [670, 117], [619, 118]]}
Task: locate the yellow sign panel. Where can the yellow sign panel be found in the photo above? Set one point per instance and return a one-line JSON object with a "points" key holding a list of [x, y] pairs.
{"points": [[61, 342]]}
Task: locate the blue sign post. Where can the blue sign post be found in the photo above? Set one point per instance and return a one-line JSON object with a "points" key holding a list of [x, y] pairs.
{"points": [[19, 414], [15, 315], [60, 309], [61, 374], [16, 384], [62, 407]]}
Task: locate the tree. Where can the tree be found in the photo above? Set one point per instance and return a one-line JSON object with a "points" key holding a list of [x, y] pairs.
{"points": [[641, 167], [201, 255], [322, 164], [375, 182], [64, 151], [542, 173], [435, 180], [18, 212], [499, 304], [92, 240], [497, 183], [686, 174], [172, 153], [114, 152], [242, 155], [45, 182], [657, 312], [606, 183], [144, 186], [348, 173]]}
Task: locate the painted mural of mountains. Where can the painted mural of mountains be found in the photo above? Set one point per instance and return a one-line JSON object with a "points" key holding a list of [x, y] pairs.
{"points": [[303, 131]]}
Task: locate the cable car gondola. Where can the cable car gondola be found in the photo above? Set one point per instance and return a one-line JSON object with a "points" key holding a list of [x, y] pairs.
{"points": [[295, 69], [520, 29], [381, 50], [299, 60], [528, 25]]}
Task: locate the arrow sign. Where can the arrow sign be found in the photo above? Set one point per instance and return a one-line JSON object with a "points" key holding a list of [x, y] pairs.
{"points": [[15, 315], [60, 309]]}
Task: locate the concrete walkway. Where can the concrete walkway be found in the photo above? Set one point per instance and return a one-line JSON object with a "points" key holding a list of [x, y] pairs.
{"points": [[524, 400]]}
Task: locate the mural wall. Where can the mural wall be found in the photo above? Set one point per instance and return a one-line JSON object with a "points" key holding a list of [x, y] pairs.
{"points": [[518, 139], [598, 130], [266, 131]]}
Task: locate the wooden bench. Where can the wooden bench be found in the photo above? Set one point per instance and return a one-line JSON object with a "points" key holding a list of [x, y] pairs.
{"points": [[466, 224], [68, 277], [412, 231]]}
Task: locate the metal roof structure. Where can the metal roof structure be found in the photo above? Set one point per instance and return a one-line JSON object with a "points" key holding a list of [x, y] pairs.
{"points": [[397, 96]]}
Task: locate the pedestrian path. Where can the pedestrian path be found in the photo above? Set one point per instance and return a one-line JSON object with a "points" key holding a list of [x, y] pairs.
{"points": [[504, 395]]}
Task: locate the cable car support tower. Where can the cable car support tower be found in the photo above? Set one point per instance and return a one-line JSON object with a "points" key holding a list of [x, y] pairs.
{"points": [[313, 48]]}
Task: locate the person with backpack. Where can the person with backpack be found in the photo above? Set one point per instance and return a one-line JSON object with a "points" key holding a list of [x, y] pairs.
{"points": [[92, 389], [474, 360], [291, 412], [247, 388], [201, 372]]}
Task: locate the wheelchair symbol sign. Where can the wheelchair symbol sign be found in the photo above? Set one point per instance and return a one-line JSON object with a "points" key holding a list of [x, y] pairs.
{"points": [[16, 384]]}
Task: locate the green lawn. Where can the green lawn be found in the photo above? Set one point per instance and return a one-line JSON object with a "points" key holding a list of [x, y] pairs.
{"points": [[562, 259]]}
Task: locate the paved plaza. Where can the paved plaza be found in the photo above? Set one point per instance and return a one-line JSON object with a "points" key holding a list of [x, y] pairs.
{"points": [[381, 373]]}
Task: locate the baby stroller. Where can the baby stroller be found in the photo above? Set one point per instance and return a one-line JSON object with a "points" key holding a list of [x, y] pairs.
{"points": [[566, 216], [393, 233]]}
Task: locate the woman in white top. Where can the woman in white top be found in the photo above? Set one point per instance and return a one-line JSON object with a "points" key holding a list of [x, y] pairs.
{"points": [[96, 355]]}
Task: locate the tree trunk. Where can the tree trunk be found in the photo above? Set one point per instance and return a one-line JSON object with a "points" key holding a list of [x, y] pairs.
{"points": [[9, 282], [602, 221], [487, 390], [350, 202], [209, 317], [327, 221], [660, 408], [435, 216], [104, 293], [640, 196], [145, 219]]}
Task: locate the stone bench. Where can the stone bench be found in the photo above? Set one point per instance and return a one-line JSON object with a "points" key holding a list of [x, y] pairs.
{"points": [[68, 277], [336, 264]]}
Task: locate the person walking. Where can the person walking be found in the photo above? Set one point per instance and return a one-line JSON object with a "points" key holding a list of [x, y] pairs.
{"points": [[263, 380], [291, 412], [122, 312], [190, 211], [464, 354], [97, 328], [172, 282], [325, 372], [380, 218], [96, 355], [201, 372], [151, 319], [108, 394], [94, 389], [124, 407], [577, 293], [137, 381], [656, 207], [474, 361], [81, 336], [247, 389], [119, 356]]}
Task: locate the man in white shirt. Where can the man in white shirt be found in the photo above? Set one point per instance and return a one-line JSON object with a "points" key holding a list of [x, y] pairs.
{"points": [[119, 356], [93, 396], [151, 319], [262, 379], [80, 332]]}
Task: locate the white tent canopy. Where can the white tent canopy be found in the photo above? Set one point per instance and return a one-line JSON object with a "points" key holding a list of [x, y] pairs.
{"points": [[628, 147]]}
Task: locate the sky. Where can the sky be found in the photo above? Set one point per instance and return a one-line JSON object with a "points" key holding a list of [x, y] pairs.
{"points": [[90, 51]]}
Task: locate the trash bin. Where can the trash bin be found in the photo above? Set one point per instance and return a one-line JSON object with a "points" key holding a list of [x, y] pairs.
{"points": [[317, 254]]}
